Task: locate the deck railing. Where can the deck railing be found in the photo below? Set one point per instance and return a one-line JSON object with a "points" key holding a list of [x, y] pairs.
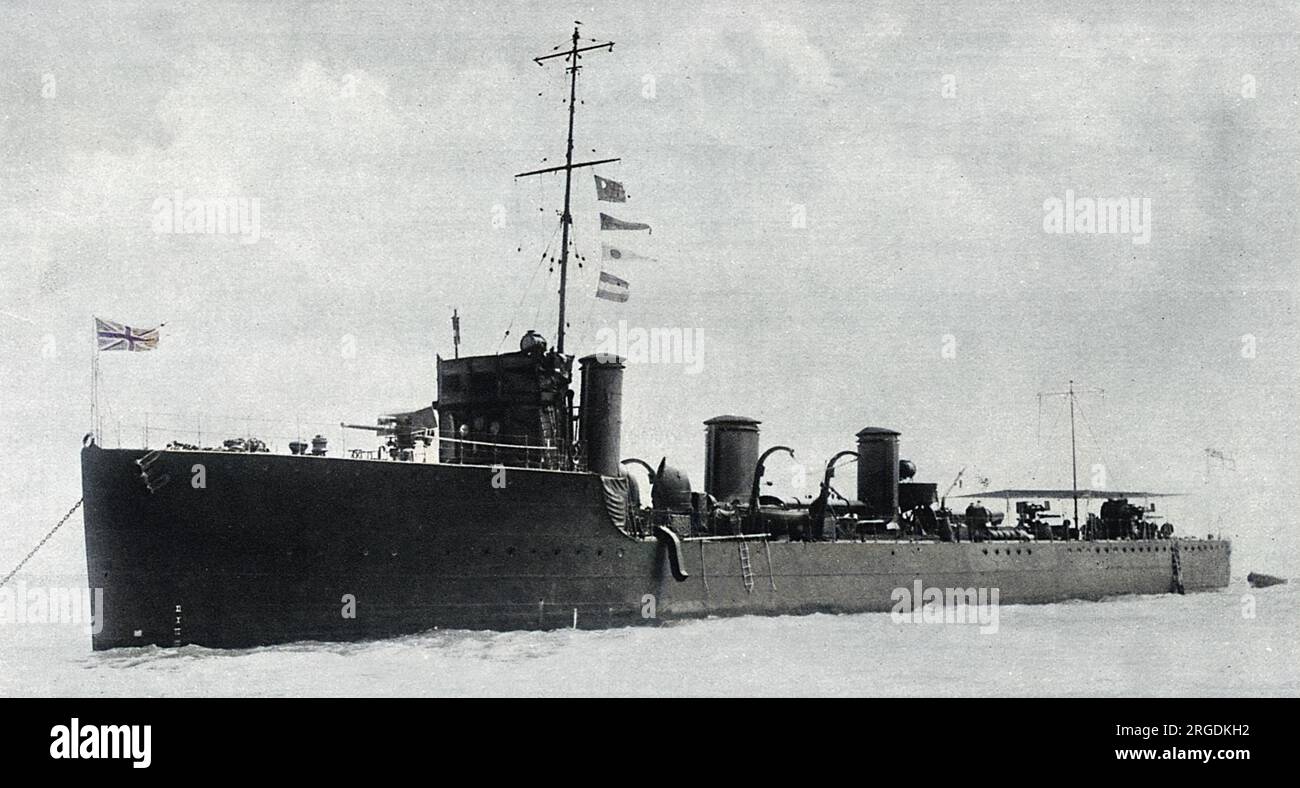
{"points": [[158, 430]]}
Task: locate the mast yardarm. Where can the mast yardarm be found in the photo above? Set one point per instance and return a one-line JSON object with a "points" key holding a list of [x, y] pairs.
{"points": [[573, 55]]}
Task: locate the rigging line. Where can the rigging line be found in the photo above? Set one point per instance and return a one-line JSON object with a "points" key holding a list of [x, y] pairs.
{"points": [[237, 417], [1100, 450], [541, 302], [527, 289], [846, 461], [1043, 454], [167, 432], [591, 299], [216, 426], [586, 318], [517, 216]]}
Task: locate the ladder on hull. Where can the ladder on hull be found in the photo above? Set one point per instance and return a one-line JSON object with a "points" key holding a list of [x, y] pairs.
{"points": [[746, 570]]}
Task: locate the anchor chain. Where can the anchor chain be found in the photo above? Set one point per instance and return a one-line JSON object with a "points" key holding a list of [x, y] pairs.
{"points": [[41, 543]]}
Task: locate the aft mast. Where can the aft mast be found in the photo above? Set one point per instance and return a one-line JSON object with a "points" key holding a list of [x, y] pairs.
{"points": [[572, 55], [1069, 394]]}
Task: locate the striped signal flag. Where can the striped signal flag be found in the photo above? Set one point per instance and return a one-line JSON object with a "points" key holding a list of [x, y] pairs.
{"points": [[611, 288]]}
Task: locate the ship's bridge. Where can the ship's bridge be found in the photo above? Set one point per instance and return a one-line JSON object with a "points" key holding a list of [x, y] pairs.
{"points": [[512, 409]]}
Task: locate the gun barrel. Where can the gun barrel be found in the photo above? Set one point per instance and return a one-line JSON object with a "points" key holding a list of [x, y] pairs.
{"points": [[370, 427]]}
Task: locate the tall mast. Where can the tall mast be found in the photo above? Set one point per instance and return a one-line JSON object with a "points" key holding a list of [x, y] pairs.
{"points": [[566, 218], [1071, 394], [573, 55]]}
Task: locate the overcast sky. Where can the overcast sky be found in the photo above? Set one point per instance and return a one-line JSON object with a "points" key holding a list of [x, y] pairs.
{"points": [[840, 193]]}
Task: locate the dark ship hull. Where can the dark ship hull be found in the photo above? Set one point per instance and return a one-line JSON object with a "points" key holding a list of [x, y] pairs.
{"points": [[238, 549]]}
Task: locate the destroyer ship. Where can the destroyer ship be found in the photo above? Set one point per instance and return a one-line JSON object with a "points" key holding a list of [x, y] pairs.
{"points": [[523, 516]]}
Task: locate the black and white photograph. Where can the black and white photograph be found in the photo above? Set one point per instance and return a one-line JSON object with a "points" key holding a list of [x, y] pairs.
{"points": [[808, 349]]}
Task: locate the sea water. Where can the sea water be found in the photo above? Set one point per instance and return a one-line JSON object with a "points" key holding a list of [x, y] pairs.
{"points": [[1238, 641]]}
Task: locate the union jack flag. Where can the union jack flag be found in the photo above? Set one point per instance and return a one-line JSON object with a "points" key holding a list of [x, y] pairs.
{"points": [[116, 336]]}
